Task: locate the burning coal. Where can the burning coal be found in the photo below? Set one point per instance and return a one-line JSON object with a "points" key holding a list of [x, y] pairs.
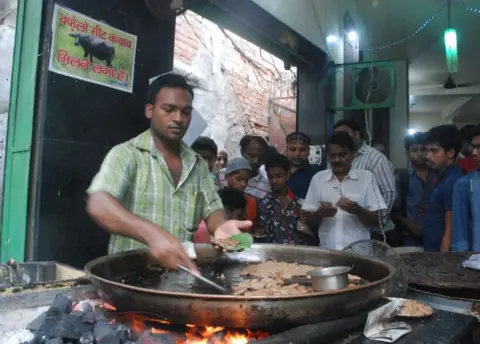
{"points": [[90, 322]]}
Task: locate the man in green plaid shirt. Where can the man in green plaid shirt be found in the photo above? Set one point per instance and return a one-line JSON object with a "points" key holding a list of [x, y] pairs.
{"points": [[154, 190]]}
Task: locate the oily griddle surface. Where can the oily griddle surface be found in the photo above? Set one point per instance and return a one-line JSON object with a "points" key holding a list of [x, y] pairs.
{"points": [[441, 270]]}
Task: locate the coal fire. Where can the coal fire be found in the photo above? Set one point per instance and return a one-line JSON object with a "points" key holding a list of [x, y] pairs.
{"points": [[92, 322]]}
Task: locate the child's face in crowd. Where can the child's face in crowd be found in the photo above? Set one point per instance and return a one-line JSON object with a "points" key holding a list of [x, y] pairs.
{"points": [[417, 154], [238, 180], [237, 214], [277, 177]]}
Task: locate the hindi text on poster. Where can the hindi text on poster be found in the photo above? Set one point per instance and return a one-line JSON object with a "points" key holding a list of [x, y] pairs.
{"points": [[86, 49]]}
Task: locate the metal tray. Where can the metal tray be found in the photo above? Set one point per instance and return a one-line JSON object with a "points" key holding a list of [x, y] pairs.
{"points": [[40, 273]]}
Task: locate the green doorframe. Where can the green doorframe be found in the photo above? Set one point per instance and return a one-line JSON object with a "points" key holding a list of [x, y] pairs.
{"points": [[20, 130]]}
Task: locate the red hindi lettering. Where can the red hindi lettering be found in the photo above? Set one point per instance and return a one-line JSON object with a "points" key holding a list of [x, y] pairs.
{"points": [[64, 20], [121, 74], [82, 27], [62, 56], [85, 64], [97, 31], [113, 38]]}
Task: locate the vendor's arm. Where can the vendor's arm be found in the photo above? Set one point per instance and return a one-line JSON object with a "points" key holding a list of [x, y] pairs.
{"points": [[109, 189]]}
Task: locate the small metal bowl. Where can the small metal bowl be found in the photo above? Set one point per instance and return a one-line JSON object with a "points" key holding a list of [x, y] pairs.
{"points": [[331, 278]]}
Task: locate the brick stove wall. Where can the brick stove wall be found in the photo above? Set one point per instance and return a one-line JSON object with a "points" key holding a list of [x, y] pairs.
{"points": [[237, 81]]}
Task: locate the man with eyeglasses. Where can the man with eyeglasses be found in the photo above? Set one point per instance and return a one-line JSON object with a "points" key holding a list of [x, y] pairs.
{"points": [[466, 204]]}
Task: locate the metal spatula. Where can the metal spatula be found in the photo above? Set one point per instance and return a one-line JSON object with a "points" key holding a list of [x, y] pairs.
{"points": [[204, 280]]}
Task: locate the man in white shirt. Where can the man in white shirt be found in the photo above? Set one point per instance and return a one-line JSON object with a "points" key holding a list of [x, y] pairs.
{"points": [[343, 202]]}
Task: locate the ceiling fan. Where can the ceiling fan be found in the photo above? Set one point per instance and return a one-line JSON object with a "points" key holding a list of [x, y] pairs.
{"points": [[450, 84]]}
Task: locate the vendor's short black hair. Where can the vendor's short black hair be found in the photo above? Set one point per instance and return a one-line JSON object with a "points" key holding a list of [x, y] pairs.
{"points": [[277, 160], [446, 136], [168, 80], [245, 141], [417, 138], [232, 199], [204, 143], [342, 139], [355, 126]]}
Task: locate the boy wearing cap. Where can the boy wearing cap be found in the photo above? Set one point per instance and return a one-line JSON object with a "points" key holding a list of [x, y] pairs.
{"points": [[237, 175]]}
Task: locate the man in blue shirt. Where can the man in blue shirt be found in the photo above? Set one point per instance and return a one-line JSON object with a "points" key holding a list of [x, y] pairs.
{"points": [[466, 205], [414, 185], [301, 172], [443, 145]]}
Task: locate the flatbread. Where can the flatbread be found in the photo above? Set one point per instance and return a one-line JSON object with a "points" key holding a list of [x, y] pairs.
{"points": [[414, 309]]}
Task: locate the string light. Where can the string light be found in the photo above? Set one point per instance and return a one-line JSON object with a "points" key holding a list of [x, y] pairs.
{"points": [[471, 9], [423, 26]]}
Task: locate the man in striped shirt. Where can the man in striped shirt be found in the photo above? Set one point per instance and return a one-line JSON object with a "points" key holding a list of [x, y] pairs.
{"points": [[153, 190], [370, 159], [254, 149]]}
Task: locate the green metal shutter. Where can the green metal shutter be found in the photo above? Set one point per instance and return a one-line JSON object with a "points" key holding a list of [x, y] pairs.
{"points": [[19, 133]]}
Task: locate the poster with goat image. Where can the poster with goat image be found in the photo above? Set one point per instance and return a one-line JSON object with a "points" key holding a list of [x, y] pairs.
{"points": [[88, 50]]}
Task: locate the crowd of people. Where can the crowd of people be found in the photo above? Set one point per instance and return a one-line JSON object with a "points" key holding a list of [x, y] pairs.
{"points": [[155, 191], [359, 195]]}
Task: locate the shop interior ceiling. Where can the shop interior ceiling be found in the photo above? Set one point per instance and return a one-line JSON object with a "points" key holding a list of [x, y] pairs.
{"points": [[394, 21]]}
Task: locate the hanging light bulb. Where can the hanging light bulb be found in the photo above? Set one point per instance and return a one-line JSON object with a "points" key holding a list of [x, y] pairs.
{"points": [[451, 52], [450, 38]]}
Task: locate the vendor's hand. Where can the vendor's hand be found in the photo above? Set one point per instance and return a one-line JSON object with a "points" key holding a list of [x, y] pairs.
{"points": [[232, 227], [168, 250], [326, 210], [348, 205]]}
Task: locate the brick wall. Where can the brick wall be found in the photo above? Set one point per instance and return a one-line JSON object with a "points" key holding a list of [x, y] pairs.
{"points": [[255, 75]]}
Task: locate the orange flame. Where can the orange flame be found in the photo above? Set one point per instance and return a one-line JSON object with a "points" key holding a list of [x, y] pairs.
{"points": [[193, 334]]}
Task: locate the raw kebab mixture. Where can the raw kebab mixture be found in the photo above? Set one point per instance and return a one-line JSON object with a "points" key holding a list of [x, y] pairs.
{"points": [[271, 278]]}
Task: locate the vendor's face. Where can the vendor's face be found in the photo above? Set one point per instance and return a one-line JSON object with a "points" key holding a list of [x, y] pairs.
{"points": [[298, 152], [340, 158], [255, 155], [171, 114]]}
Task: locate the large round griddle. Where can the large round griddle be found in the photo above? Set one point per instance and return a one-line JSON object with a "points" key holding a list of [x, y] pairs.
{"points": [[442, 273], [174, 296]]}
